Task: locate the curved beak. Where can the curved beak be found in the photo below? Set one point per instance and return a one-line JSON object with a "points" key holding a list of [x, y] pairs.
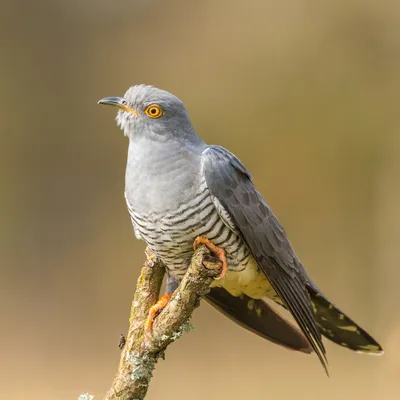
{"points": [[118, 102]]}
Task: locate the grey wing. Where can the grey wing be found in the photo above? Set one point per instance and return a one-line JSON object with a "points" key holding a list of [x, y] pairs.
{"points": [[230, 183], [135, 228]]}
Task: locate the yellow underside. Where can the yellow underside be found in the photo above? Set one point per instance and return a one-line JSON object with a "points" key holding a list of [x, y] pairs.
{"points": [[251, 281]]}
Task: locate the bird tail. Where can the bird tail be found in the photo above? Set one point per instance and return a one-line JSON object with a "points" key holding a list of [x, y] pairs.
{"points": [[258, 317], [339, 328]]}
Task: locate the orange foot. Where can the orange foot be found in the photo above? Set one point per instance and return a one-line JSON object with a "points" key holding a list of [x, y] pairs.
{"points": [[214, 249], [154, 310]]}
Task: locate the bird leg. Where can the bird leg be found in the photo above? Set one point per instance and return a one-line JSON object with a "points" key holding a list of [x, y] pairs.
{"points": [[155, 310], [220, 253], [170, 288]]}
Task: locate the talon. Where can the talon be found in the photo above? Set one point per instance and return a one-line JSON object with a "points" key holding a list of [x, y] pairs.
{"points": [[154, 310], [220, 253]]}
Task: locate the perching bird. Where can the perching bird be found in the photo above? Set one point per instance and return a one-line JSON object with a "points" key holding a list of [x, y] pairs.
{"points": [[179, 190]]}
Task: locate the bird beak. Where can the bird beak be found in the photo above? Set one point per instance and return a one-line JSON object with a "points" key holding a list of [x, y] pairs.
{"points": [[118, 102]]}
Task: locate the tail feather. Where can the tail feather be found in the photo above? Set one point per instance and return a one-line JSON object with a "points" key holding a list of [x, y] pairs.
{"points": [[339, 328], [259, 317]]}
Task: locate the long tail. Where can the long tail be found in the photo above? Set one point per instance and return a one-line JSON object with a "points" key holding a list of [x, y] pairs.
{"points": [[259, 317], [339, 328]]}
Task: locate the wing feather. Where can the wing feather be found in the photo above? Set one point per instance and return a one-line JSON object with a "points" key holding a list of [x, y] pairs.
{"points": [[230, 183]]}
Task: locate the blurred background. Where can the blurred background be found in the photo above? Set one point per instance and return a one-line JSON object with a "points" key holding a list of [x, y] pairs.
{"points": [[306, 93]]}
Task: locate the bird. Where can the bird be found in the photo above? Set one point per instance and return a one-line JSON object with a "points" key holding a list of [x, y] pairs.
{"points": [[181, 192]]}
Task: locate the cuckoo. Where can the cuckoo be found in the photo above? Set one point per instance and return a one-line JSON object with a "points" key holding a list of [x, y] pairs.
{"points": [[181, 191]]}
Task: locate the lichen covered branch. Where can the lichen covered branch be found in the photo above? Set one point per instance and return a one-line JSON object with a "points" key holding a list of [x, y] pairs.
{"points": [[141, 353]]}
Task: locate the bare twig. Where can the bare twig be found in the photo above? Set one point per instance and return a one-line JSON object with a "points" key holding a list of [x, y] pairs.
{"points": [[140, 353]]}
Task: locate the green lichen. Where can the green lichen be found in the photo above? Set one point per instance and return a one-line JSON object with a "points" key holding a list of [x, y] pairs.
{"points": [[186, 327], [142, 366], [85, 396]]}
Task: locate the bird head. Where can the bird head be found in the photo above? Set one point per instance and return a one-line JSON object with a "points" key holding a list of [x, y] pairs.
{"points": [[152, 112]]}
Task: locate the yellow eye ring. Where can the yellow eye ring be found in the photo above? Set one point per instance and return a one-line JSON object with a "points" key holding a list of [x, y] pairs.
{"points": [[154, 111]]}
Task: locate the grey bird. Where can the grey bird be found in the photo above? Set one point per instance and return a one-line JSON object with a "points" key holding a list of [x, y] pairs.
{"points": [[179, 189]]}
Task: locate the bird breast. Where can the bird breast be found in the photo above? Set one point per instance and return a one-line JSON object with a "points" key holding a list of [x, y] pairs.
{"points": [[171, 233]]}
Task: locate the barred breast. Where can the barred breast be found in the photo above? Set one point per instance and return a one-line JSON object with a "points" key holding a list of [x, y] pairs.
{"points": [[171, 234]]}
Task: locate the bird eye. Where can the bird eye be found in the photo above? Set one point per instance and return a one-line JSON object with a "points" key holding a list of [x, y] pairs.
{"points": [[154, 111]]}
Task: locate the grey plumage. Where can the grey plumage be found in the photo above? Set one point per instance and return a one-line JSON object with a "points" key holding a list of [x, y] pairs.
{"points": [[179, 188], [166, 192]]}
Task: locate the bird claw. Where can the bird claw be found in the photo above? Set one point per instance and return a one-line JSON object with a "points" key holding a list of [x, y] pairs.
{"points": [[219, 253], [154, 311]]}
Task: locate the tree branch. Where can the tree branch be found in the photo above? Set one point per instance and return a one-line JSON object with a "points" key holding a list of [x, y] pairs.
{"points": [[140, 353]]}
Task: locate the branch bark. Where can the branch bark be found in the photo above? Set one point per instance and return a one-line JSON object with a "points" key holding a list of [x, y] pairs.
{"points": [[140, 353]]}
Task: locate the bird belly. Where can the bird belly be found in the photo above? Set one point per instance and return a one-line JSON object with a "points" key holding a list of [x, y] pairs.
{"points": [[250, 281], [244, 276], [171, 235]]}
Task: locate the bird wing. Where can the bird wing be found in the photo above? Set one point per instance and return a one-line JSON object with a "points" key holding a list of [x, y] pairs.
{"points": [[230, 183]]}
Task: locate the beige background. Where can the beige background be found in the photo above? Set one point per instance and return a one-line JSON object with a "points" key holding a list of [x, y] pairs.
{"points": [[306, 93]]}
